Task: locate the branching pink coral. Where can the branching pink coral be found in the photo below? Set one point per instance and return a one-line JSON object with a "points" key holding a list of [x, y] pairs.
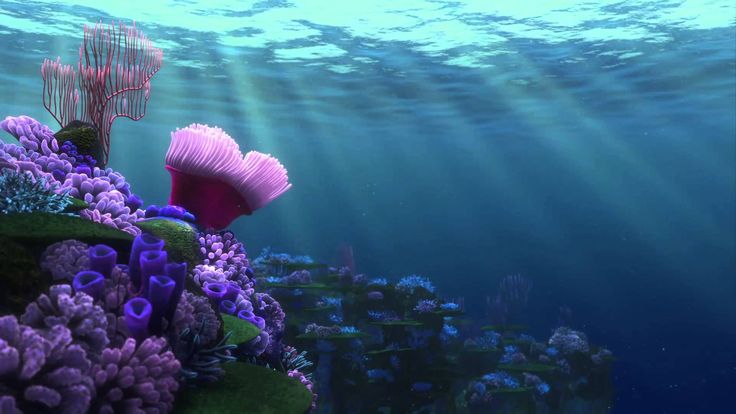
{"points": [[115, 69], [212, 179]]}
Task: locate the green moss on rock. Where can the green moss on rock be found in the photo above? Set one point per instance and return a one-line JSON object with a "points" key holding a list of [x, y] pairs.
{"points": [[43, 229], [338, 337], [76, 205], [242, 331], [83, 136], [529, 367], [247, 388], [405, 322], [180, 238], [22, 280]]}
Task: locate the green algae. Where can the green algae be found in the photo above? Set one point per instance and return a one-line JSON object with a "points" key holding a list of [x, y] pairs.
{"points": [[389, 351], [76, 205], [179, 237], [405, 322], [318, 286], [22, 280], [470, 350], [319, 309], [528, 367], [519, 390], [242, 331], [46, 228], [304, 266], [247, 388], [338, 337], [504, 328]]}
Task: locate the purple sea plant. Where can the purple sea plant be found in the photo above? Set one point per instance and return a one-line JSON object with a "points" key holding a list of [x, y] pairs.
{"points": [[426, 306], [75, 311], [42, 372], [134, 379], [65, 259], [299, 376]]}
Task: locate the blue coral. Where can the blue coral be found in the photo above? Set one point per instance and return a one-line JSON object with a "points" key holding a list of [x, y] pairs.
{"points": [[413, 282], [21, 192]]}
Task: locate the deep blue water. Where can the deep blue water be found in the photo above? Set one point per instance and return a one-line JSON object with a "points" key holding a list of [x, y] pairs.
{"points": [[602, 167]]}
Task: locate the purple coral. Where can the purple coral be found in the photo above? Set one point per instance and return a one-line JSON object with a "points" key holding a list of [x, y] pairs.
{"points": [[299, 277], [426, 306], [105, 192], [65, 259], [31, 134], [204, 320], [175, 212], [569, 341], [207, 169], [51, 166], [270, 310], [77, 312], [299, 376], [322, 331], [131, 380], [42, 372]]}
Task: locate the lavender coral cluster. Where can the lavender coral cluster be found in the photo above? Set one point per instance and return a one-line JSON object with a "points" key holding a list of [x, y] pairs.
{"points": [[108, 195]]}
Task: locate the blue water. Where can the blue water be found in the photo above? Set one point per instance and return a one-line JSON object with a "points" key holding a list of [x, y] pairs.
{"points": [[589, 147]]}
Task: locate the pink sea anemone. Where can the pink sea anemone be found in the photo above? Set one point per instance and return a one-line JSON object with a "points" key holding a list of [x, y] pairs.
{"points": [[212, 179]]}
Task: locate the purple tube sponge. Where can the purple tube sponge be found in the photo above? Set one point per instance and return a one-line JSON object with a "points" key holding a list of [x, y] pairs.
{"points": [[233, 290], [228, 307], [102, 259], [257, 345], [178, 273], [137, 312], [130, 380], [91, 283], [160, 290], [255, 320], [153, 262], [216, 293], [374, 295], [75, 311], [142, 243]]}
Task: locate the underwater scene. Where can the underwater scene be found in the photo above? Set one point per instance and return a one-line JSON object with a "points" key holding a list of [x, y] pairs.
{"points": [[326, 207]]}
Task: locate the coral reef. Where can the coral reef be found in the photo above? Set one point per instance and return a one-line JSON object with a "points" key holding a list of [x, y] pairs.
{"points": [[114, 309]]}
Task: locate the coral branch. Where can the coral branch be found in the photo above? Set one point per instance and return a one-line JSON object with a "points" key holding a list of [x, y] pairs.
{"points": [[115, 67]]}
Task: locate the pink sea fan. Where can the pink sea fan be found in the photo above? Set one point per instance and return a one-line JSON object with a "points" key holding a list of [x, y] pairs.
{"points": [[212, 179]]}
